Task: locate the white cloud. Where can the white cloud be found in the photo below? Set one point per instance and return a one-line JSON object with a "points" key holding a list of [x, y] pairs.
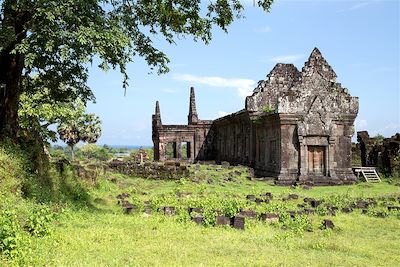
{"points": [[361, 124], [244, 87], [359, 5], [222, 113], [168, 91], [287, 58], [392, 127], [263, 29]]}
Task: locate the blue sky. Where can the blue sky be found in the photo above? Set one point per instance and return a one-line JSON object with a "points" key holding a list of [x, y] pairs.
{"points": [[360, 40]]}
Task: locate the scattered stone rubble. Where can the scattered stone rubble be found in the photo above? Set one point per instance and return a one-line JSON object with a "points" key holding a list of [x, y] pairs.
{"points": [[366, 206]]}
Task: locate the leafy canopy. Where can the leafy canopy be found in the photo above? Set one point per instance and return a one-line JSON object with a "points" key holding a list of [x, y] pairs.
{"points": [[38, 110], [58, 39]]}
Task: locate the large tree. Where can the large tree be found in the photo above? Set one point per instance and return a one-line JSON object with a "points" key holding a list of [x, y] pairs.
{"points": [[55, 40]]}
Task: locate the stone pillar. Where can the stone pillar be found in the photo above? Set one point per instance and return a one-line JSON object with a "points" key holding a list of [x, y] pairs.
{"points": [[156, 150], [161, 149], [331, 150], [157, 116], [188, 150], [303, 159], [192, 117], [174, 150], [178, 149]]}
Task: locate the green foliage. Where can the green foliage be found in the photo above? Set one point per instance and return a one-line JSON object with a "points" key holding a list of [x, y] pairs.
{"points": [[59, 152], [14, 169], [65, 36], [81, 127], [378, 138], [155, 237], [39, 221], [169, 150], [10, 233], [298, 225], [38, 110], [183, 215], [267, 109], [93, 152], [230, 207]]}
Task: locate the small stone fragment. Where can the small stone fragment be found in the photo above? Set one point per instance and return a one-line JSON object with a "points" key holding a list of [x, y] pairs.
{"points": [[327, 224]]}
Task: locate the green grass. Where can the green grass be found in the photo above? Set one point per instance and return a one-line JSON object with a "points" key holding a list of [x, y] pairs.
{"points": [[101, 235], [118, 240]]}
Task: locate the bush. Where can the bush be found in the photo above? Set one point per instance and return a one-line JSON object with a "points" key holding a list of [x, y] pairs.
{"points": [[39, 221], [93, 152], [12, 170], [297, 225], [59, 153], [10, 233]]}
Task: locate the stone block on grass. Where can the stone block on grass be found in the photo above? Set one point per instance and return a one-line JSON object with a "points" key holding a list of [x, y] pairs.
{"points": [[269, 195], [129, 208], [169, 211], [292, 196], [327, 224], [148, 210], [222, 220], [269, 217], [251, 197], [315, 203], [248, 214], [309, 211], [259, 201], [238, 222], [198, 219]]}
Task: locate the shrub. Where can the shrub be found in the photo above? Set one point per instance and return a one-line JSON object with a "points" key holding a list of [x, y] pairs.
{"points": [[94, 152], [39, 221], [12, 171], [10, 233], [297, 225]]}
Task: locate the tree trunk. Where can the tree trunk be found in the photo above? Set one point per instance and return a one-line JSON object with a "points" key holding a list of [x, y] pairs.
{"points": [[11, 67], [10, 90], [72, 153]]}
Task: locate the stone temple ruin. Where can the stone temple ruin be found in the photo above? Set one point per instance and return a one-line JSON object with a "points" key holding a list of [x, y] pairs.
{"points": [[295, 127], [383, 153]]}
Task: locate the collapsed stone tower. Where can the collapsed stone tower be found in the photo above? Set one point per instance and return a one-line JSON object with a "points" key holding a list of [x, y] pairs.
{"points": [[296, 127]]}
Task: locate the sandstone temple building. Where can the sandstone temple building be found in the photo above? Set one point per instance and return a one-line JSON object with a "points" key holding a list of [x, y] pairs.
{"points": [[296, 127]]}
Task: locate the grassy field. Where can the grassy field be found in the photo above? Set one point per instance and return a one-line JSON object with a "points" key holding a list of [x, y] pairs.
{"points": [[100, 234]]}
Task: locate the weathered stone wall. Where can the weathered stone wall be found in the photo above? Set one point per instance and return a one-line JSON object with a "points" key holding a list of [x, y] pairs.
{"points": [[383, 153], [232, 139], [168, 170]]}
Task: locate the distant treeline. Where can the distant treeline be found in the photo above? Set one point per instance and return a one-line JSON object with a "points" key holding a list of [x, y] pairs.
{"points": [[102, 153]]}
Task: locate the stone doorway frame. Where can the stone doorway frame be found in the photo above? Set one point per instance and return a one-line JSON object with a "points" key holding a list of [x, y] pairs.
{"points": [[322, 141]]}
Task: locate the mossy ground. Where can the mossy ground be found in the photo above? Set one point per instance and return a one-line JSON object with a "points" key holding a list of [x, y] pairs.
{"points": [[100, 234]]}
